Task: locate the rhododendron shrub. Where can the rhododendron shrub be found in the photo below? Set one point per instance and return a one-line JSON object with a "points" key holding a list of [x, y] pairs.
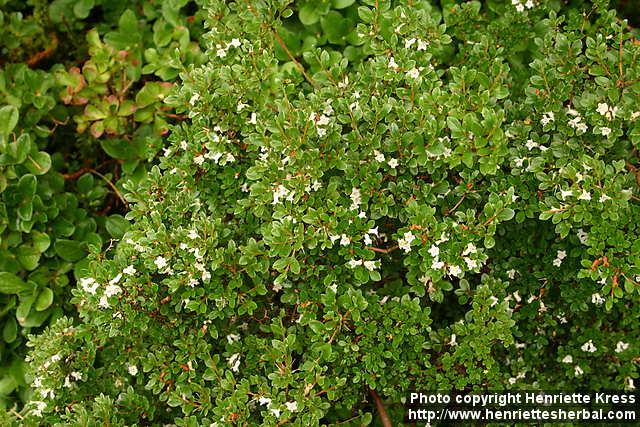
{"points": [[433, 199]]}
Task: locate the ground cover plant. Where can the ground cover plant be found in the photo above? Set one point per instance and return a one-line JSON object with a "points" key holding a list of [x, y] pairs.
{"points": [[80, 108], [310, 208]]}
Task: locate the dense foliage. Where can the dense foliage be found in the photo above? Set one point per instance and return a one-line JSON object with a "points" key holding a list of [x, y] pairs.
{"points": [[335, 202], [91, 115]]}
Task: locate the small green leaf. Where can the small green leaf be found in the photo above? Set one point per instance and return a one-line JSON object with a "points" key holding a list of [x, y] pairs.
{"points": [[117, 225], [506, 214], [10, 330], [38, 163], [341, 4], [12, 284], [308, 14], [8, 119], [44, 300], [70, 250], [82, 8]]}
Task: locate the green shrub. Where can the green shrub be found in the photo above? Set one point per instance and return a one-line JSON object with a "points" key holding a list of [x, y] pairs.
{"points": [[58, 183], [451, 205]]}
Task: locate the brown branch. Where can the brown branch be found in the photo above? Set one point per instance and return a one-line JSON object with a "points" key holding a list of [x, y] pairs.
{"points": [[77, 174], [113, 187], [291, 57], [34, 60], [383, 251], [456, 206], [382, 412]]}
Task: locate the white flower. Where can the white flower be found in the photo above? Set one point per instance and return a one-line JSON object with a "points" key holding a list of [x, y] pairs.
{"points": [[520, 7], [605, 131], [373, 231], [194, 99], [133, 370], [234, 362], [452, 341], [531, 144], [323, 120], [602, 108], [370, 265], [621, 346], [565, 193], [344, 240], [635, 115], [455, 270], [115, 279], [275, 412], [393, 163], [494, 300], [578, 371], [568, 359], [280, 192], [254, 119], [414, 73], [235, 43], [422, 45], [605, 110], [104, 302], [470, 249], [129, 270], [582, 236], [516, 296], [434, 251], [89, 285], [292, 406], [221, 53], [39, 407], [264, 400], [334, 288], [603, 198], [597, 299], [437, 264], [542, 308], [582, 128], [471, 263], [629, 384], [511, 273], [160, 262], [213, 155], [355, 198], [409, 42], [112, 290], [354, 263], [392, 63], [231, 338], [575, 122], [547, 117], [559, 257], [529, 4], [405, 242], [367, 239], [588, 347]]}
